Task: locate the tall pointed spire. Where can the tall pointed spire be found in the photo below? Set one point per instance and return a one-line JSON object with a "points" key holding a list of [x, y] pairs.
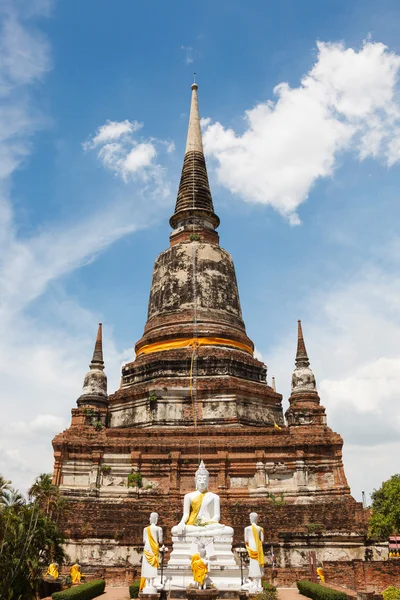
{"points": [[194, 142], [94, 392], [301, 355], [194, 206], [303, 377], [304, 403], [98, 347]]}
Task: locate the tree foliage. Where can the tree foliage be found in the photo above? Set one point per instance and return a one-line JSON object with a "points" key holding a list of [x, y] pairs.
{"points": [[385, 519], [29, 539]]}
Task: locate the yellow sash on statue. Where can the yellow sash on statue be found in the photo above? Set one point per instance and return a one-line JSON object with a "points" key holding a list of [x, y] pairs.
{"points": [[199, 568], [195, 508], [52, 571], [152, 557], [142, 583], [75, 574], [258, 554]]}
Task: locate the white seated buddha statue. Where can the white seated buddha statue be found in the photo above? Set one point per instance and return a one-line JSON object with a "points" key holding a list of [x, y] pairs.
{"points": [[201, 511]]}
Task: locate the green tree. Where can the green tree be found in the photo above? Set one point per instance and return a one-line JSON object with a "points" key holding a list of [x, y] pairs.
{"points": [[47, 495], [29, 541], [385, 518], [5, 487], [12, 498]]}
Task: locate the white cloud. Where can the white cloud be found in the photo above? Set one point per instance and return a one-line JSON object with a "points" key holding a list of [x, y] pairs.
{"points": [[352, 336], [347, 101], [49, 424], [140, 157], [189, 55], [111, 131], [129, 158]]}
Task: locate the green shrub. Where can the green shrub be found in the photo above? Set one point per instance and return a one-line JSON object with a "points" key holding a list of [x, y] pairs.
{"points": [[268, 593], [391, 593], [134, 589], [85, 591], [135, 479], [319, 592]]}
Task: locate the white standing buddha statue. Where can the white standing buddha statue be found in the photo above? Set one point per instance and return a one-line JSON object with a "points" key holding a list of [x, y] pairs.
{"points": [[201, 511], [254, 538], [152, 539]]}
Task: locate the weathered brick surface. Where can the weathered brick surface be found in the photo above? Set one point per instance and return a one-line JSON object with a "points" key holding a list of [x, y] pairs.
{"points": [[363, 575], [351, 576], [88, 518]]}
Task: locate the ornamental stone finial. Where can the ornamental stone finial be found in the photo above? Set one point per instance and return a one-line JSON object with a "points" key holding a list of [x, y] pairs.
{"points": [[303, 379], [301, 355], [94, 390], [194, 209], [194, 141]]}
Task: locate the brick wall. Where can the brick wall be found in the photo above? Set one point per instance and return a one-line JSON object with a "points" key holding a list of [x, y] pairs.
{"points": [[125, 520], [356, 575], [362, 575]]}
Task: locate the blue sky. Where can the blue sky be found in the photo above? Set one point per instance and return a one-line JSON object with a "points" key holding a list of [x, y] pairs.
{"points": [[305, 176]]}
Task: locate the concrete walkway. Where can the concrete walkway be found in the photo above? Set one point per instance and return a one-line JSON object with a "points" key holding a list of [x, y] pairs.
{"points": [[115, 593], [122, 593], [289, 594]]}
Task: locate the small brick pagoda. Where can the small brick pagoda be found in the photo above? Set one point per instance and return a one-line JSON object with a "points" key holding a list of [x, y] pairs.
{"points": [[195, 390]]}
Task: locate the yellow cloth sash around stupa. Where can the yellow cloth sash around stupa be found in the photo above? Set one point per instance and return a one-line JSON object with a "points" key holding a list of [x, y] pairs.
{"points": [[199, 569], [195, 342], [152, 557], [52, 571], [142, 583], [75, 574], [195, 507], [258, 554]]}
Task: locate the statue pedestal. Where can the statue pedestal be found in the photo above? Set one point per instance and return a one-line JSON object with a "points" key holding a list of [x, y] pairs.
{"points": [[218, 551], [149, 596], [195, 594]]}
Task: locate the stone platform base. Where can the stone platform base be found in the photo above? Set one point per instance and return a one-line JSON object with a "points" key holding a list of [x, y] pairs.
{"points": [[176, 581], [218, 550], [210, 594]]}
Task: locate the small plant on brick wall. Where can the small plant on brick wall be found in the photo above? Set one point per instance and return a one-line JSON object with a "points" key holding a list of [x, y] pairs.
{"points": [[135, 479], [98, 425], [277, 501], [194, 237], [88, 412], [119, 534], [315, 527], [106, 470], [152, 398]]}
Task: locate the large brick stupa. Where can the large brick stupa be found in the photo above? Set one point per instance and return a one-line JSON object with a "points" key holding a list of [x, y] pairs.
{"points": [[196, 391]]}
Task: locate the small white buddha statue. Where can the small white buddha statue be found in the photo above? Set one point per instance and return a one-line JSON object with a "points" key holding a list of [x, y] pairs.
{"points": [[201, 510], [152, 539], [254, 537]]}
